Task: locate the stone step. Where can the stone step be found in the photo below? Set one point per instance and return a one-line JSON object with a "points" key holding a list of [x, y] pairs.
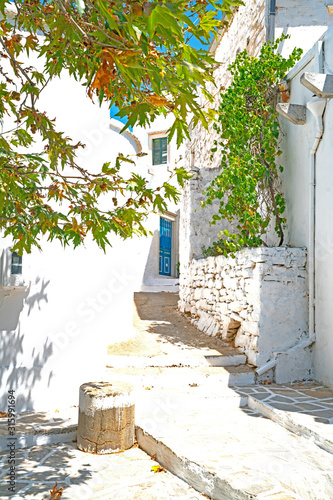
{"points": [[41, 428], [48, 428], [229, 356], [304, 409], [176, 377], [298, 423], [166, 288], [236, 453]]}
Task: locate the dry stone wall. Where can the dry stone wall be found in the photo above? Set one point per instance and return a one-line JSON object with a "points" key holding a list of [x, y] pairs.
{"points": [[246, 30], [258, 299], [198, 232]]}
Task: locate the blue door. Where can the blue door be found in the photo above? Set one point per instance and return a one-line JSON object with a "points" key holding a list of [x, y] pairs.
{"points": [[165, 246]]}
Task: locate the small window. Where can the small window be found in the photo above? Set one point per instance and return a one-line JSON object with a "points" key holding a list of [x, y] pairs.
{"points": [[16, 264], [160, 151]]}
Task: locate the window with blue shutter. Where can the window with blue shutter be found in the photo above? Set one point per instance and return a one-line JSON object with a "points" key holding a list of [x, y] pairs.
{"points": [[160, 151]]}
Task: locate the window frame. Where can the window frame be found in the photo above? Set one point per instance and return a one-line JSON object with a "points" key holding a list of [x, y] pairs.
{"points": [[163, 141], [151, 137]]}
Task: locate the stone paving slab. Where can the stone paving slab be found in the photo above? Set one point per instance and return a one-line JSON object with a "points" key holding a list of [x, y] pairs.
{"points": [[38, 428], [305, 409], [309, 399], [121, 476]]}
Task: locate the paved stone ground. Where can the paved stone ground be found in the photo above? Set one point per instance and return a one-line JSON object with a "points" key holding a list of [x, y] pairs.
{"points": [[200, 429], [41, 422], [312, 400], [121, 476], [161, 330], [238, 447], [235, 453]]}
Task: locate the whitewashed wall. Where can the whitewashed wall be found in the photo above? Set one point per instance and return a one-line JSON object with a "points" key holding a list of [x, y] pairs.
{"points": [[54, 333], [297, 144], [305, 21], [258, 300]]}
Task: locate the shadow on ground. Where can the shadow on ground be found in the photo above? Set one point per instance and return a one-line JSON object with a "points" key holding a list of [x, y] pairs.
{"points": [[159, 326]]}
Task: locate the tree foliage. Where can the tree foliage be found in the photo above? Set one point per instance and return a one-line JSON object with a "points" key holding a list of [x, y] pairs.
{"points": [[248, 128], [134, 54]]}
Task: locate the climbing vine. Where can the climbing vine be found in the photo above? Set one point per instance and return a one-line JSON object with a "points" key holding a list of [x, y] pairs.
{"points": [[248, 129]]}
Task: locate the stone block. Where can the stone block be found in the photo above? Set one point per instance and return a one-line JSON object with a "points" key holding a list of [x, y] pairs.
{"points": [[241, 340], [106, 417], [253, 316], [210, 283], [244, 314], [218, 284], [235, 319], [251, 327], [252, 358], [240, 295], [206, 294], [187, 308], [295, 113], [245, 272], [293, 366], [319, 84], [222, 308], [236, 306]]}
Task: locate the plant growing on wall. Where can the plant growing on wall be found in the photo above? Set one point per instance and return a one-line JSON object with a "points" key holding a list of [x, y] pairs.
{"points": [[248, 129]]}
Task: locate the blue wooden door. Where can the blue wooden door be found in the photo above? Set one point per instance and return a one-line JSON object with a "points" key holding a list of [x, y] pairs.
{"points": [[165, 246]]}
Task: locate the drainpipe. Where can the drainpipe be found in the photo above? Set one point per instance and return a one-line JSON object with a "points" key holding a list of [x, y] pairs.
{"points": [[271, 20], [317, 107]]}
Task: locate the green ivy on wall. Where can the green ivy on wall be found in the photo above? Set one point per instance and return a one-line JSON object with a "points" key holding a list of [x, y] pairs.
{"points": [[248, 129]]}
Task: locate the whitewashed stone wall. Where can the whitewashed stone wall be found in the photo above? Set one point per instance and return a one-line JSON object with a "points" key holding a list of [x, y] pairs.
{"points": [[258, 299], [305, 21], [198, 232]]}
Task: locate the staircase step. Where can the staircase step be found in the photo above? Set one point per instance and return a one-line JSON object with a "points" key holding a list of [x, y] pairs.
{"points": [[228, 357], [298, 423], [236, 454], [241, 375], [41, 428], [214, 438]]}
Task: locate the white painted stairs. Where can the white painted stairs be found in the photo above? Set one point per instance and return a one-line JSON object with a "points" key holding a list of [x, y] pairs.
{"points": [[228, 444]]}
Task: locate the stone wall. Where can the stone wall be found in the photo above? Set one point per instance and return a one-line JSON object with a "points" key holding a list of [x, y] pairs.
{"points": [[305, 21], [258, 300], [198, 232], [246, 30]]}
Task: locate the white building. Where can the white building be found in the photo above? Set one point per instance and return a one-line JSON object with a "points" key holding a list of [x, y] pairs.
{"points": [[306, 141], [60, 308]]}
